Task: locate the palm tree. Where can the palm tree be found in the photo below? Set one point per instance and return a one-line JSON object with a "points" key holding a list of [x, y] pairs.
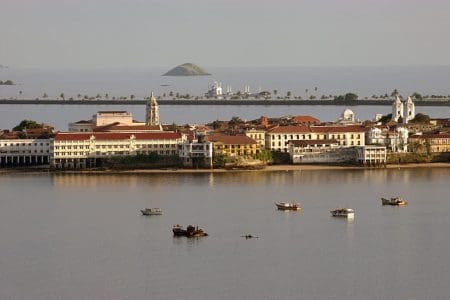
{"points": [[62, 96], [20, 94], [275, 92], [79, 96], [131, 97], [306, 92], [106, 96], [45, 96]]}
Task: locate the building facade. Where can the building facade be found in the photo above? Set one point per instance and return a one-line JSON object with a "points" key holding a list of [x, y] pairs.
{"points": [[82, 150], [259, 135], [195, 154], [234, 145], [371, 155], [430, 142], [277, 139], [395, 139], [25, 152]]}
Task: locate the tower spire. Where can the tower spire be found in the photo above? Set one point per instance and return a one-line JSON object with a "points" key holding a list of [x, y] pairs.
{"points": [[152, 111]]}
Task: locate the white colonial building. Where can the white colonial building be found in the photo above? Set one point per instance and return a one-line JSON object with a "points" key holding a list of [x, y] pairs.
{"points": [[81, 150], [277, 139], [196, 154], [24, 152], [394, 138], [371, 155]]}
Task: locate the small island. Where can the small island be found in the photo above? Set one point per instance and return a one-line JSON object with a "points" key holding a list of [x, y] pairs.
{"points": [[7, 82], [187, 69]]}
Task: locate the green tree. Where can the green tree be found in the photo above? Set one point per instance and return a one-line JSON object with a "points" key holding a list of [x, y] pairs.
{"points": [[288, 94], [62, 96], [350, 97], [27, 124], [421, 119], [386, 118], [216, 124], [45, 96], [416, 96]]}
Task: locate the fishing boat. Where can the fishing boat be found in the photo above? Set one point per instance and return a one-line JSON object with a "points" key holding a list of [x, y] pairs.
{"points": [[190, 231], [395, 201], [343, 212], [151, 211], [288, 206]]}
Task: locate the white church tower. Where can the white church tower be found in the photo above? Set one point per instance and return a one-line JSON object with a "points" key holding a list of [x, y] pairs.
{"points": [[152, 111], [409, 110], [397, 109]]}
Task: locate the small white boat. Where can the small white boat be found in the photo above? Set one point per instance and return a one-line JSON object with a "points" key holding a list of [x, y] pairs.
{"points": [[343, 212], [288, 206], [151, 211]]}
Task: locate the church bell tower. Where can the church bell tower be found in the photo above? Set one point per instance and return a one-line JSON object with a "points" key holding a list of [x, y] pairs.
{"points": [[152, 111]]}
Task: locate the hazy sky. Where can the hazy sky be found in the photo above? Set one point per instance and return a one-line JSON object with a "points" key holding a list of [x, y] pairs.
{"points": [[164, 33]]}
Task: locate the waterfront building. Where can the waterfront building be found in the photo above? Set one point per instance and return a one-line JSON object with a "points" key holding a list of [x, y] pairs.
{"points": [[81, 150], [24, 152], [259, 135], [430, 142], [196, 154], [395, 138], [152, 111], [316, 151], [234, 145], [371, 155], [277, 138]]}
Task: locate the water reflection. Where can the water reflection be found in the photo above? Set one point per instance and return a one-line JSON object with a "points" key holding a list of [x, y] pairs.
{"points": [[282, 178]]}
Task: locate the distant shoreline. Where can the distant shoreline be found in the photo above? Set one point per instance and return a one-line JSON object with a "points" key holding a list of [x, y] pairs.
{"points": [[275, 168], [443, 102]]}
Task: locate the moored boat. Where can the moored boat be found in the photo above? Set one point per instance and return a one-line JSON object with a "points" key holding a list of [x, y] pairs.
{"points": [[396, 201], [190, 231], [288, 206], [343, 212], [151, 211]]}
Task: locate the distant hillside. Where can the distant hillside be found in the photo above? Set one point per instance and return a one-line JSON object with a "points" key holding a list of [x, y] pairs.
{"points": [[7, 82], [187, 69]]}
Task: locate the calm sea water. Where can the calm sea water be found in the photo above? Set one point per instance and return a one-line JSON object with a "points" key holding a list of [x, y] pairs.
{"points": [[365, 81], [82, 237]]}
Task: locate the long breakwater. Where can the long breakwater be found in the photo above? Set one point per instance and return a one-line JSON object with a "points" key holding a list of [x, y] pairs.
{"points": [[443, 102]]}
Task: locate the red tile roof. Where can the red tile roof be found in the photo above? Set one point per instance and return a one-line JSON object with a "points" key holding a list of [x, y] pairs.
{"points": [[232, 139], [69, 136], [305, 120], [290, 129], [442, 135], [127, 128], [327, 129]]}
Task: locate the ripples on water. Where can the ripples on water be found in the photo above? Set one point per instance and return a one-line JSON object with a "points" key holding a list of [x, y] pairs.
{"points": [[82, 237]]}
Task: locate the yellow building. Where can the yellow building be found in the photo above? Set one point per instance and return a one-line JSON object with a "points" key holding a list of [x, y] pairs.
{"points": [[435, 142], [234, 145], [259, 135]]}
